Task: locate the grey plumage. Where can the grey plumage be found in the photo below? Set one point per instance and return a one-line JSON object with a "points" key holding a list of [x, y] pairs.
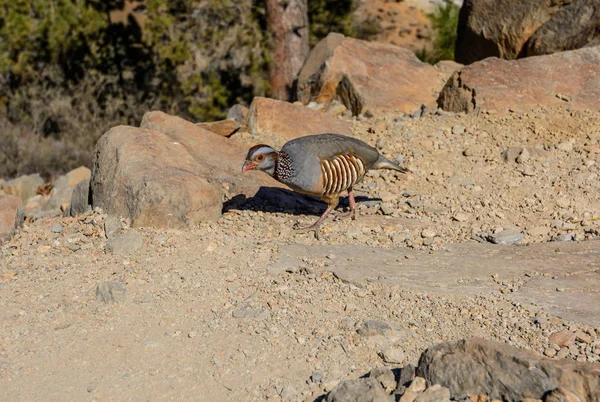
{"points": [[323, 165]]}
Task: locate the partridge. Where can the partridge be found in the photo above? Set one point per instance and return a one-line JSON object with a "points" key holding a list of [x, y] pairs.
{"points": [[322, 165]]}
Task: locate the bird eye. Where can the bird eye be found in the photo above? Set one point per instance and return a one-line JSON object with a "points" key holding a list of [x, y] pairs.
{"points": [[260, 158]]}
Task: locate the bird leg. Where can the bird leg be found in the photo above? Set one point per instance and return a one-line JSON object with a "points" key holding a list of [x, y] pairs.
{"points": [[352, 212], [332, 202]]}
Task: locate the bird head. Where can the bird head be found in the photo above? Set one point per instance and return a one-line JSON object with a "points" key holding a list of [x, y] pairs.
{"points": [[261, 157]]}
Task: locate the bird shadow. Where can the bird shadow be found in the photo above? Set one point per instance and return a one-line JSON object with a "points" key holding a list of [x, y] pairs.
{"points": [[276, 199]]}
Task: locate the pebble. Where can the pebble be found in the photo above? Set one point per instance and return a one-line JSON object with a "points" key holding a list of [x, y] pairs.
{"points": [[461, 217], [456, 130], [562, 338], [316, 377], [57, 228], [393, 355], [564, 237], [112, 226], [255, 314], [111, 292], [428, 233], [435, 393], [506, 237], [417, 385], [125, 243]]}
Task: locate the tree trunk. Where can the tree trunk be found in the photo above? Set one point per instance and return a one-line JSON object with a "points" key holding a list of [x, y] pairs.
{"points": [[287, 21]]}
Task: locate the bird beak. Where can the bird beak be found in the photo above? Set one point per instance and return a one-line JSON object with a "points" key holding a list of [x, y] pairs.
{"points": [[248, 166]]}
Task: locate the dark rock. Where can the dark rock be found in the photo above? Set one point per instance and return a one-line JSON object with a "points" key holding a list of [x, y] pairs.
{"points": [[80, 200], [360, 390], [509, 29], [385, 376], [407, 374], [477, 366]]}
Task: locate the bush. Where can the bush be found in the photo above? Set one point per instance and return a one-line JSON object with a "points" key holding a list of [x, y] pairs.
{"points": [[68, 73], [444, 21]]}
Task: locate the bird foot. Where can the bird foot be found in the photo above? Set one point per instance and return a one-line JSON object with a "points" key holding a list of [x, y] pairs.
{"points": [[338, 216], [312, 228]]}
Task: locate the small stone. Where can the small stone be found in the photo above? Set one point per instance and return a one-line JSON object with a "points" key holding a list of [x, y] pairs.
{"points": [[393, 355], [456, 130], [255, 314], [386, 378], [111, 292], [373, 327], [386, 208], [192, 334], [461, 217], [316, 377], [407, 374], [288, 392], [524, 156], [57, 228], [435, 393], [563, 353], [362, 389], [418, 385], [428, 233], [506, 237], [112, 226], [564, 237], [581, 336], [550, 352], [566, 146], [125, 243]]}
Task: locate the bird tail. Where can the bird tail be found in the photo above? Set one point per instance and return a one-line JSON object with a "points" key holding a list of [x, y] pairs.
{"points": [[383, 163]]}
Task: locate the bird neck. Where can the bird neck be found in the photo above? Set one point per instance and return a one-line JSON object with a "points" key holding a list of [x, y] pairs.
{"points": [[282, 168]]}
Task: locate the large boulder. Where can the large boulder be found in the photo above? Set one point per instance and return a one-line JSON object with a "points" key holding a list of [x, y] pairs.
{"points": [[366, 76], [168, 173], [500, 371], [511, 29], [569, 79], [11, 215], [276, 122]]}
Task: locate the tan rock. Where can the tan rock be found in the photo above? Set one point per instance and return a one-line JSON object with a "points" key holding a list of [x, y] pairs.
{"points": [[562, 79], [366, 76], [562, 338], [277, 122], [221, 127], [10, 215], [169, 173]]}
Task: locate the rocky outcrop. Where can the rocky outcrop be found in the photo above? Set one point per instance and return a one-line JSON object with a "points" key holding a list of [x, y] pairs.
{"points": [[168, 173], [477, 366], [509, 29], [276, 122], [567, 79], [366, 76], [11, 215]]}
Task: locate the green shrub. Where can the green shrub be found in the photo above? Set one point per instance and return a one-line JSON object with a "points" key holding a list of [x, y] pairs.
{"points": [[444, 21]]}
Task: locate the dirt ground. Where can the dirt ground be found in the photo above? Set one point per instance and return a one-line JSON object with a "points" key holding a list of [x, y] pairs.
{"points": [[208, 314]]}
